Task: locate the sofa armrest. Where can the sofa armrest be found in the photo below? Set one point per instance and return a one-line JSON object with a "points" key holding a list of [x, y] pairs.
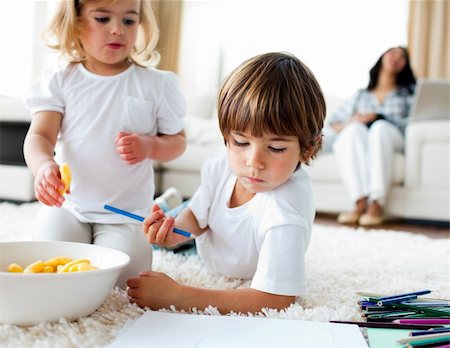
{"points": [[427, 155]]}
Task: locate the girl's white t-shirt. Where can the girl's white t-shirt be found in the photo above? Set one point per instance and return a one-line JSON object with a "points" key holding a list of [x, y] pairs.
{"points": [[94, 110], [265, 239]]}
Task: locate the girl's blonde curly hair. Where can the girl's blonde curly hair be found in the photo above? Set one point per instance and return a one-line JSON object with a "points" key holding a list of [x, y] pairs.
{"points": [[62, 33]]}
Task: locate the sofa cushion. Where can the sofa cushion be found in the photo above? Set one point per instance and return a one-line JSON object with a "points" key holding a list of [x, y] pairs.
{"points": [[325, 168], [203, 139]]}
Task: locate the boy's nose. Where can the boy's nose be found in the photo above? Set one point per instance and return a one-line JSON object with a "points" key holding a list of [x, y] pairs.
{"points": [[255, 159]]}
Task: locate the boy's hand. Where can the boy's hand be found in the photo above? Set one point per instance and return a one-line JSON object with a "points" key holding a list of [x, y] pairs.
{"points": [[47, 185], [131, 147], [154, 290], [158, 228]]}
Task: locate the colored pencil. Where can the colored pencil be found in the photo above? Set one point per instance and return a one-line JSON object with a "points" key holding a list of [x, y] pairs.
{"points": [[438, 337], [384, 302], [432, 312], [415, 293], [141, 219], [424, 321], [430, 331], [387, 325], [429, 344]]}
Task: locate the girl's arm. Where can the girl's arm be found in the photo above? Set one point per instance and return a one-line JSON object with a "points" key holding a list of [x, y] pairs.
{"points": [[157, 290], [134, 148], [158, 228], [38, 148]]}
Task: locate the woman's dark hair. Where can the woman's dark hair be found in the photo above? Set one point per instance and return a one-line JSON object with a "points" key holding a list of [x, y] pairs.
{"points": [[405, 78]]}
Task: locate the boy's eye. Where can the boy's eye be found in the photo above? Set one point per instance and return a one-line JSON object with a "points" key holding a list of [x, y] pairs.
{"points": [[274, 149], [102, 19], [240, 144], [127, 21]]}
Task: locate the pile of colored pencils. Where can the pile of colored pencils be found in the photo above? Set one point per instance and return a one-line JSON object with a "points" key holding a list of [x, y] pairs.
{"points": [[430, 316], [376, 308]]}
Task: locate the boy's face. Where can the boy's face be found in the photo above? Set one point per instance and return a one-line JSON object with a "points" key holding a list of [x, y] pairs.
{"points": [[108, 35], [264, 163]]}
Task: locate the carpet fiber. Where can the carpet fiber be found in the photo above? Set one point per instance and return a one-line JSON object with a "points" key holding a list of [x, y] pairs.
{"points": [[340, 261]]}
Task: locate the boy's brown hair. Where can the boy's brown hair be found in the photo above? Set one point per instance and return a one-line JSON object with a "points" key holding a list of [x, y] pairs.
{"points": [[274, 93]]}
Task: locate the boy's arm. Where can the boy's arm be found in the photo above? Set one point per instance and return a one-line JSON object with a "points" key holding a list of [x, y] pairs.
{"points": [[157, 290], [134, 148]]}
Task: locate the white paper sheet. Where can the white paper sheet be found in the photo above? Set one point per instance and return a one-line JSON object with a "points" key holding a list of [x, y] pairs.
{"points": [[160, 329]]}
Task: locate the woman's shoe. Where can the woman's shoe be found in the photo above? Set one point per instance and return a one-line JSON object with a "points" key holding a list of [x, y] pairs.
{"points": [[350, 218], [370, 220]]}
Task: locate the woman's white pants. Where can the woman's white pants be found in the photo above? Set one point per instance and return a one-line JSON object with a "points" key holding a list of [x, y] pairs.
{"points": [[366, 157]]}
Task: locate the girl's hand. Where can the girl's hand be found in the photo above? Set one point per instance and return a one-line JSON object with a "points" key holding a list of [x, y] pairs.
{"points": [[154, 290], [131, 147], [48, 183], [158, 228]]}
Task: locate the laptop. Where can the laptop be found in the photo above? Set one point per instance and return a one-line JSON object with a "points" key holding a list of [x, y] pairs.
{"points": [[431, 100]]}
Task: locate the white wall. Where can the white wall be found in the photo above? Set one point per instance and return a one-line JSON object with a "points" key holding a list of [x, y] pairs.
{"points": [[23, 55], [339, 40]]}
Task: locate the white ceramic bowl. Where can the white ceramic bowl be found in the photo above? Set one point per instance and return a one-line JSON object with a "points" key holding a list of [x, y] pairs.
{"points": [[27, 299]]}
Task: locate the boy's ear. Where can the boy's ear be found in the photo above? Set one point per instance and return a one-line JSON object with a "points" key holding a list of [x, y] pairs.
{"points": [[306, 154]]}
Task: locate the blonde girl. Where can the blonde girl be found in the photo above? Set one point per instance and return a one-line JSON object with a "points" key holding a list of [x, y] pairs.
{"points": [[108, 116]]}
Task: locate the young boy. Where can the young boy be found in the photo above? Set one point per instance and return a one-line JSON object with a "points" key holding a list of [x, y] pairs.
{"points": [[253, 212]]}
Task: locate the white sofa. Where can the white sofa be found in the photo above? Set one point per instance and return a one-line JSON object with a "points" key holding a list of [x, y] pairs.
{"points": [[421, 185]]}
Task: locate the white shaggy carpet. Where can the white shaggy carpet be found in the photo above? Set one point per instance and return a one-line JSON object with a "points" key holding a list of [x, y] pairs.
{"points": [[340, 261]]}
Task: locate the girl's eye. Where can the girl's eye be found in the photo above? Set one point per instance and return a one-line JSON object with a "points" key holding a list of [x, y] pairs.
{"points": [[274, 149], [239, 144], [102, 19], [128, 21]]}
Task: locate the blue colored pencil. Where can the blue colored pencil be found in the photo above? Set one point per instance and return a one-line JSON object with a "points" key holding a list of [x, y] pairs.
{"points": [[430, 331], [141, 219], [417, 293], [383, 302]]}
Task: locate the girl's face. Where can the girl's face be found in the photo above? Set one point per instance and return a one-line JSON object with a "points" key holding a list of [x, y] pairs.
{"points": [[108, 35], [394, 60], [262, 164]]}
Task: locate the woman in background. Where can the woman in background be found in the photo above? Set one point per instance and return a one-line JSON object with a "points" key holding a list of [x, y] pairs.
{"points": [[366, 132]]}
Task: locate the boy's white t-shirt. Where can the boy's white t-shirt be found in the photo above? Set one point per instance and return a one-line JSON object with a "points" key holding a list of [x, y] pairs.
{"points": [[265, 239], [94, 110]]}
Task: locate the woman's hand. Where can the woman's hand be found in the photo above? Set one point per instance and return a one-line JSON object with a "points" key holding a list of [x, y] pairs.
{"points": [[48, 183], [364, 118], [158, 229], [154, 290]]}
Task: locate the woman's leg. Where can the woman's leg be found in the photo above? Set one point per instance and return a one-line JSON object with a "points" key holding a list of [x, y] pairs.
{"points": [[350, 149], [59, 224], [384, 140], [129, 239]]}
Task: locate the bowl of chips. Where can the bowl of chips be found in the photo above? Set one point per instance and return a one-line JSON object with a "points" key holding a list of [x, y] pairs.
{"points": [[43, 281]]}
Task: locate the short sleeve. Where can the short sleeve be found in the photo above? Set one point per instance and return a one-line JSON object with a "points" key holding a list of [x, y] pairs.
{"points": [[45, 93], [201, 200], [281, 263], [173, 106], [214, 174]]}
